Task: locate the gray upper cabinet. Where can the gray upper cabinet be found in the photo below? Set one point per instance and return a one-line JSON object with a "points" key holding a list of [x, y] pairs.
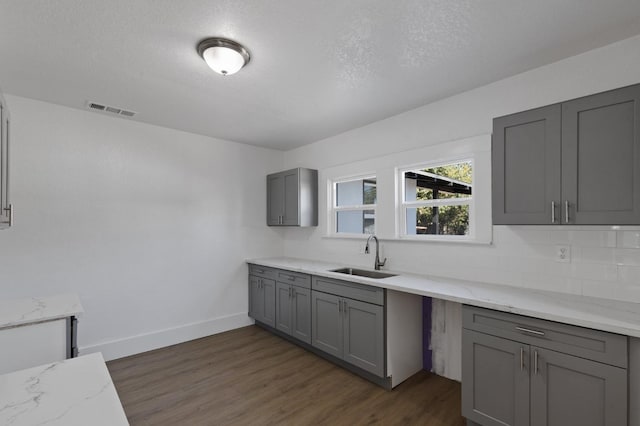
{"points": [[601, 158], [292, 198], [526, 167], [6, 209], [572, 163]]}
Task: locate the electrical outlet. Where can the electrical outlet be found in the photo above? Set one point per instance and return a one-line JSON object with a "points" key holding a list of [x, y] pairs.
{"points": [[563, 253]]}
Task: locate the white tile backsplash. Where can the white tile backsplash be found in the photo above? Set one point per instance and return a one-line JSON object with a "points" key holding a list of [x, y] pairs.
{"points": [[628, 239]]}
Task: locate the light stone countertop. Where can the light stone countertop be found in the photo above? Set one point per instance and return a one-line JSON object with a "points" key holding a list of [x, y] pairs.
{"points": [[600, 314], [18, 312], [74, 392]]}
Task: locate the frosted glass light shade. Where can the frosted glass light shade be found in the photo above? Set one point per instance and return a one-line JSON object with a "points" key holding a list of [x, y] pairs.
{"points": [[224, 56]]}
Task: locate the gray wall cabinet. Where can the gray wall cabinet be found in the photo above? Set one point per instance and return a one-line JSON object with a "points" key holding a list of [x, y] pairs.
{"points": [[577, 162], [523, 371], [292, 198], [6, 208]]}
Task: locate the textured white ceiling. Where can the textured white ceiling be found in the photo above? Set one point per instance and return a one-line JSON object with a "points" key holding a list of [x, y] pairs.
{"points": [[318, 68]]}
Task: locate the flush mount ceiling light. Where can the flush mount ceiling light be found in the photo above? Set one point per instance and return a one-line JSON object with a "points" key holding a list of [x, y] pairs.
{"points": [[224, 56]]}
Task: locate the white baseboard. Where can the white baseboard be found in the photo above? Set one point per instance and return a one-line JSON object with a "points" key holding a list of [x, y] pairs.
{"points": [[132, 345]]}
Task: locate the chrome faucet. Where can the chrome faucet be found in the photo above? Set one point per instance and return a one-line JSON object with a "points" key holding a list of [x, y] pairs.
{"points": [[378, 264]]}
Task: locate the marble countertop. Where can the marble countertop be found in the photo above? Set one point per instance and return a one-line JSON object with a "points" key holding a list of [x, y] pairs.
{"points": [[38, 309], [600, 314], [74, 392]]}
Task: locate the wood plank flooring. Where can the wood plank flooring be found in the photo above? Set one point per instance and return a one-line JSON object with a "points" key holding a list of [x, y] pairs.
{"points": [[251, 377]]}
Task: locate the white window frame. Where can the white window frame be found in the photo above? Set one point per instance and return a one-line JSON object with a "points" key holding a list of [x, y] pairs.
{"points": [[403, 205], [334, 208]]}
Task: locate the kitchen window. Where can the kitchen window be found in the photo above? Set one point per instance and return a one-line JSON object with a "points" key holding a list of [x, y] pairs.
{"points": [[436, 201], [353, 206]]}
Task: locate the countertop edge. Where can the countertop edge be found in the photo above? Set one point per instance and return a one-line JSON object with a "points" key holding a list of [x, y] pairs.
{"points": [[599, 314]]}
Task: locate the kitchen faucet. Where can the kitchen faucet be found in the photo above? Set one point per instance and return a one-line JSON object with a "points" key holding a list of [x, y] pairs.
{"points": [[378, 264]]}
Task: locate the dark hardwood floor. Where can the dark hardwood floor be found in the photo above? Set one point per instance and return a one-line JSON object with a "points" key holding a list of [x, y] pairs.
{"points": [[251, 377]]}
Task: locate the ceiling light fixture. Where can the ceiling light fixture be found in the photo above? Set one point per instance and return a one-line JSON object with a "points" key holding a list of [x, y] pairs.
{"points": [[224, 56]]}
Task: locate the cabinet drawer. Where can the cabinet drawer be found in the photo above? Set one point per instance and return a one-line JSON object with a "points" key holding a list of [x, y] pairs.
{"points": [[294, 278], [586, 343], [362, 292], [263, 271]]}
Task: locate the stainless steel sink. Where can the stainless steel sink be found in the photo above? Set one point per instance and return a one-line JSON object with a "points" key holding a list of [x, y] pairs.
{"points": [[363, 273]]}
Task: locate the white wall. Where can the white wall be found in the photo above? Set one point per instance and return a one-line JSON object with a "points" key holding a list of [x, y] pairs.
{"points": [[150, 226], [605, 261]]}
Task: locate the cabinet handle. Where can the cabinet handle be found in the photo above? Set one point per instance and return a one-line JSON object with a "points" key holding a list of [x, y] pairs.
{"points": [[293, 292], [339, 305], [10, 210], [344, 307], [553, 212], [521, 359], [527, 330], [566, 211], [535, 362]]}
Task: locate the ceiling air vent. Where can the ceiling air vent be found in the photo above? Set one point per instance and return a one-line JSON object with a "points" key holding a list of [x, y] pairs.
{"points": [[110, 109]]}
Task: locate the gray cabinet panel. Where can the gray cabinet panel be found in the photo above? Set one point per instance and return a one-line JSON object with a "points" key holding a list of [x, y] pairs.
{"points": [[327, 327], [364, 335], [362, 292], [283, 307], [268, 302], [495, 380], [301, 314], [291, 201], [254, 298], [275, 199], [566, 390], [601, 158], [526, 166]]}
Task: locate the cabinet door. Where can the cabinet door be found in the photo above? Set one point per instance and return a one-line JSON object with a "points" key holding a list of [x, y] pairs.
{"points": [[275, 199], [567, 390], [495, 380], [364, 335], [255, 298], [283, 307], [4, 167], [291, 204], [601, 158], [526, 167], [268, 294], [326, 323], [301, 314]]}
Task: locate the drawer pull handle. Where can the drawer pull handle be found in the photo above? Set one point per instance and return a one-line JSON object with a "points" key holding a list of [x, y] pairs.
{"points": [[259, 271], [292, 278], [521, 359], [527, 330], [535, 361]]}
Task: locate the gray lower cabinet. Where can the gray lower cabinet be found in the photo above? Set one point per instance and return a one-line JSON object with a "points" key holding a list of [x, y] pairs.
{"points": [[577, 162], [262, 300], [521, 371], [350, 330], [293, 311]]}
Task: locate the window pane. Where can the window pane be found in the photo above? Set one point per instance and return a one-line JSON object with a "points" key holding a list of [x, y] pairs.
{"points": [[356, 192], [444, 220], [448, 181], [356, 222]]}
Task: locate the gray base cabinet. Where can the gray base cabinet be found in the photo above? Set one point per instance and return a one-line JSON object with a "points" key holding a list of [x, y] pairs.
{"points": [[346, 328], [522, 371], [293, 305], [577, 162], [262, 297]]}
